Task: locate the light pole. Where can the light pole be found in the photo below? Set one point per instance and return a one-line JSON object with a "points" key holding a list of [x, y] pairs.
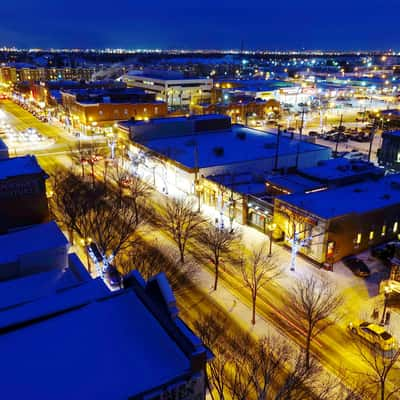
{"points": [[385, 304], [271, 227]]}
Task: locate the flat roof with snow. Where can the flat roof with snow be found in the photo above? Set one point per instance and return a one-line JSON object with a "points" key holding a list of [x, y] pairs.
{"points": [[28, 240], [26, 165], [357, 198], [240, 144], [113, 339]]}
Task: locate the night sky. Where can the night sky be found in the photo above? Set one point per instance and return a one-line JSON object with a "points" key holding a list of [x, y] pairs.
{"points": [[260, 24]]}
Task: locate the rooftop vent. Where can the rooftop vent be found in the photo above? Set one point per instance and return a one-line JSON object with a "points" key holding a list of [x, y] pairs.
{"points": [[395, 185], [218, 151], [241, 135]]}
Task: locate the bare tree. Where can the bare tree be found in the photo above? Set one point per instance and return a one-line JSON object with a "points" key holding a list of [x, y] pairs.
{"points": [[381, 371], [68, 202], [109, 218], [182, 222], [112, 223], [212, 328], [218, 243], [314, 304], [257, 271], [243, 367], [150, 259]]}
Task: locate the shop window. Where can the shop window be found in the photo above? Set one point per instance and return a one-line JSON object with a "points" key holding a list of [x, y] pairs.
{"points": [[395, 227], [358, 239], [371, 235]]}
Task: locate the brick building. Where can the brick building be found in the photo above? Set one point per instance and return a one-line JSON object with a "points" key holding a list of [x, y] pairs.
{"points": [[23, 198]]}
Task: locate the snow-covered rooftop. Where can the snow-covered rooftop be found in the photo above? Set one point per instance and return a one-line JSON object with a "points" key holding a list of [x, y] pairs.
{"points": [[338, 168], [292, 182], [20, 291], [28, 240], [15, 166], [110, 348], [356, 198], [240, 144]]}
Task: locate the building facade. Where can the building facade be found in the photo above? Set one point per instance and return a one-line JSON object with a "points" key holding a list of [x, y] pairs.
{"points": [[88, 109], [23, 198], [389, 153], [173, 88]]}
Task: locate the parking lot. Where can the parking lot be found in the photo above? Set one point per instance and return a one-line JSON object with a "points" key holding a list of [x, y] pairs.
{"points": [[29, 138]]}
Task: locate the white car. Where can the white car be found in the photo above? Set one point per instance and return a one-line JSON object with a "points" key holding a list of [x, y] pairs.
{"points": [[355, 155]]}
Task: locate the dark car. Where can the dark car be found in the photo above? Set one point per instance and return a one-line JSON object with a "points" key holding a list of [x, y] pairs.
{"points": [[384, 252], [357, 266], [313, 133], [113, 277]]}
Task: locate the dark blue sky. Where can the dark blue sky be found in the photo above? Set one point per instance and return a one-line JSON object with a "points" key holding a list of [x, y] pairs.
{"points": [[266, 24]]}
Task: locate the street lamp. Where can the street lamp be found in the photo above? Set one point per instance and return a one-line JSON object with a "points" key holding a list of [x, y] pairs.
{"points": [[385, 304], [199, 191], [271, 227]]}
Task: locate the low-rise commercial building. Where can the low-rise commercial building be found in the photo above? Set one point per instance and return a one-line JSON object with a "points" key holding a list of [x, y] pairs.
{"points": [[88, 109], [23, 198], [389, 153], [32, 250], [187, 156], [341, 221], [172, 87], [69, 322], [241, 109]]}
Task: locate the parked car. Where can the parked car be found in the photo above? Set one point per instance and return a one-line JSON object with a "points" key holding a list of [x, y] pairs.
{"points": [[313, 133], [355, 155], [374, 334], [113, 277], [384, 252], [357, 266], [362, 138]]}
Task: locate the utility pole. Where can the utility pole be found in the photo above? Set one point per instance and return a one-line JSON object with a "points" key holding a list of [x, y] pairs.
{"points": [[371, 140], [338, 134], [300, 137], [278, 139]]}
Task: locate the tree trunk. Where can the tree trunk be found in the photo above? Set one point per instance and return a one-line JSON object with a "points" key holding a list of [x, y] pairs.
{"points": [[308, 345], [253, 315], [92, 166], [71, 236], [216, 275], [182, 255], [382, 389]]}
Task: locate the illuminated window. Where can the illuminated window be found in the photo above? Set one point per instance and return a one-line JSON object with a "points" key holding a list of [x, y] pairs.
{"points": [[383, 233], [371, 235], [358, 238], [395, 227]]}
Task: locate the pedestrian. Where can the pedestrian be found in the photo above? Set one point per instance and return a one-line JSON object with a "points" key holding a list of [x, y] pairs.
{"points": [[375, 313]]}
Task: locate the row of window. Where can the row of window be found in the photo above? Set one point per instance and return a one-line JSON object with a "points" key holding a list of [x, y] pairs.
{"points": [[126, 111], [371, 235]]}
